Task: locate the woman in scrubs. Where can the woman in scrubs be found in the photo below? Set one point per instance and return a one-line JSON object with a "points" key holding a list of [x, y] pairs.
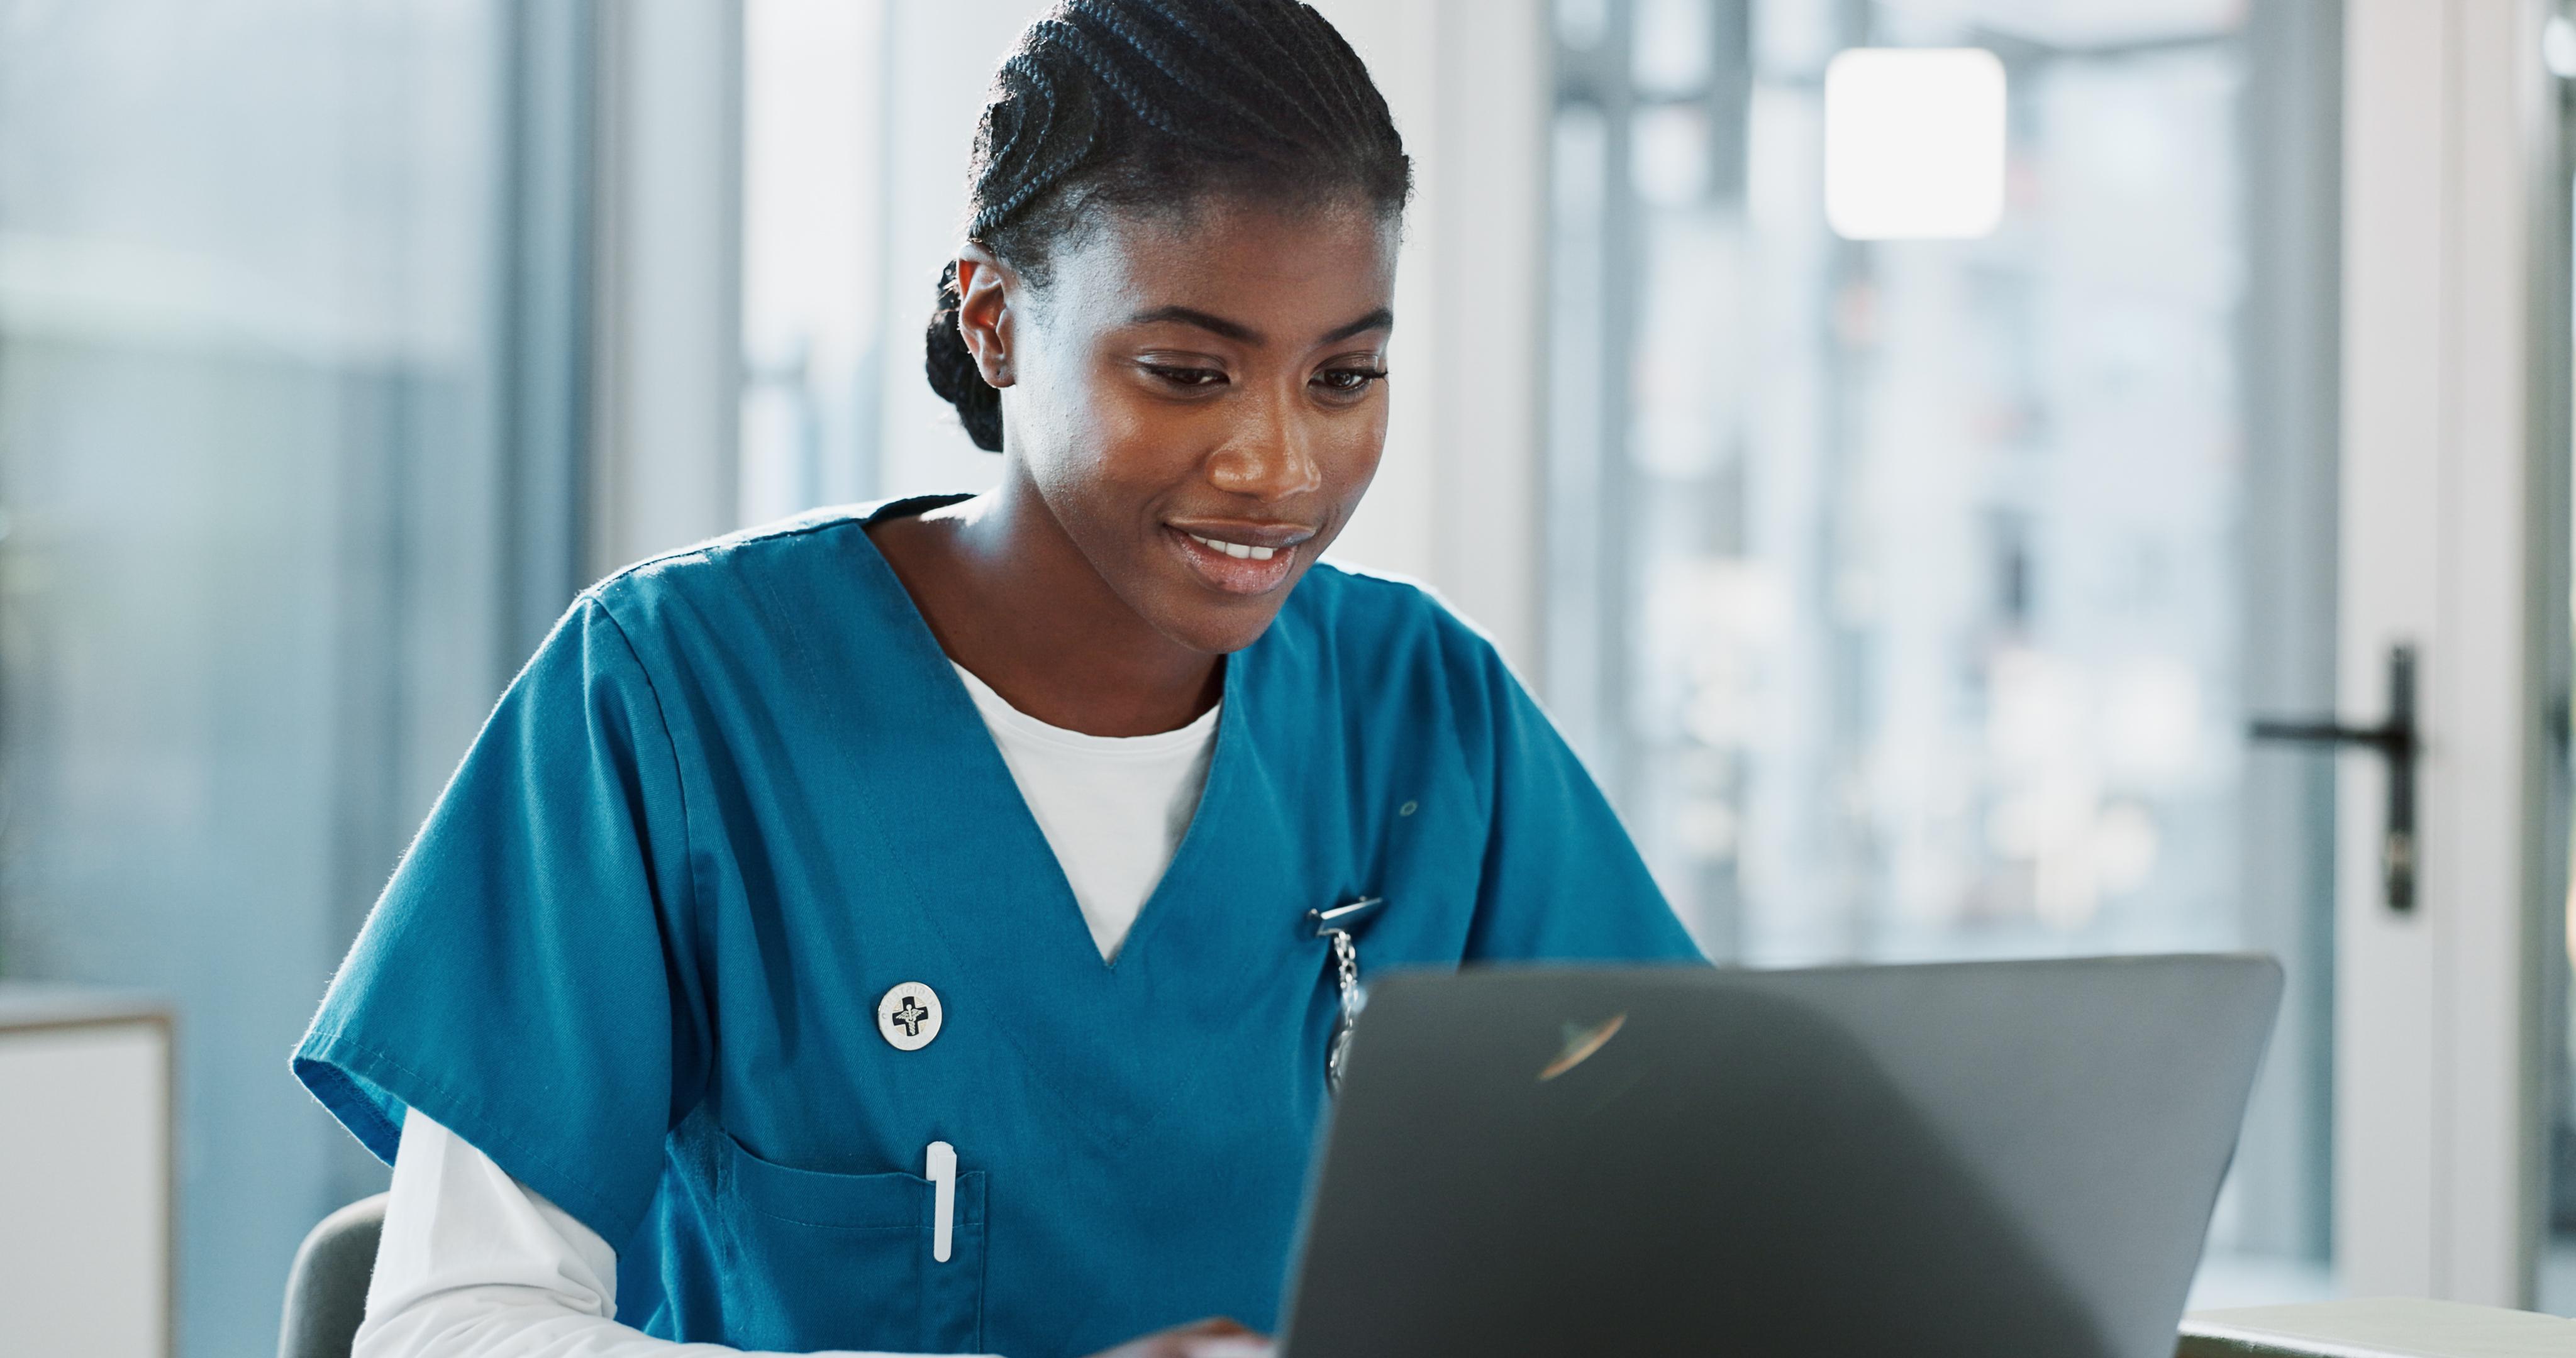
{"points": [[926, 927]]}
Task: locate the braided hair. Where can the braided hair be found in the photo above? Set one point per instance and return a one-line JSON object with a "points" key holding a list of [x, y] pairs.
{"points": [[1157, 106]]}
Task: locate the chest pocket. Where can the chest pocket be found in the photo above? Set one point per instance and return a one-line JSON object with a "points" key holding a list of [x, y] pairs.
{"points": [[843, 1261]]}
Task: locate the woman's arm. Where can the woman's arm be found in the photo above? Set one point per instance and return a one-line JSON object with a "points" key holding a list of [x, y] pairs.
{"points": [[473, 1264]]}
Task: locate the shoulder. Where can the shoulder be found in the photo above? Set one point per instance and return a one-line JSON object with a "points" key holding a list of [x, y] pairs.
{"points": [[1383, 606], [1381, 627], [742, 567], [750, 611]]}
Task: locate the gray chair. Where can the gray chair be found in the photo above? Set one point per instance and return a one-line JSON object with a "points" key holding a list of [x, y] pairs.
{"points": [[326, 1291]]}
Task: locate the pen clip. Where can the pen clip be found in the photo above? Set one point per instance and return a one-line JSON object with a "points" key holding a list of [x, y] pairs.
{"points": [[942, 1173]]}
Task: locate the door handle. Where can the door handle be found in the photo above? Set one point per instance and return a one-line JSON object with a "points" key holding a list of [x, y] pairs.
{"points": [[2400, 741]]}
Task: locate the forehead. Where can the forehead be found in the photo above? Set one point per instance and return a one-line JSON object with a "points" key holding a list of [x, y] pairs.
{"points": [[1288, 272]]}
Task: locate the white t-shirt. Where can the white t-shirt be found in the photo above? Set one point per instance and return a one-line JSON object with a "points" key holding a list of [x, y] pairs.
{"points": [[1113, 808], [473, 1264]]}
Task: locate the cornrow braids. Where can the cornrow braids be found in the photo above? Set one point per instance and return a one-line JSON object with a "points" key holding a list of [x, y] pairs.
{"points": [[1276, 58], [1216, 46], [1295, 47], [1175, 67], [1157, 106]]}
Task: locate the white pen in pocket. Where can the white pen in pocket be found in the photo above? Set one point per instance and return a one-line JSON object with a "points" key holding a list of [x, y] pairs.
{"points": [[942, 1173]]}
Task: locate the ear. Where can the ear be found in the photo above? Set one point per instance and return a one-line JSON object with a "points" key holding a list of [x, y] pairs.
{"points": [[985, 289]]}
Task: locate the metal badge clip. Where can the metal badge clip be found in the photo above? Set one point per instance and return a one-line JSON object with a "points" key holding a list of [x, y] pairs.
{"points": [[1335, 924]]}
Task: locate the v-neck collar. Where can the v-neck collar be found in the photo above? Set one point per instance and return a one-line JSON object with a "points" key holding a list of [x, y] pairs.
{"points": [[1017, 825], [979, 872]]}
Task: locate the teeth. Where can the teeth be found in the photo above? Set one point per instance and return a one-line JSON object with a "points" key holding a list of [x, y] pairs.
{"points": [[1238, 550]]}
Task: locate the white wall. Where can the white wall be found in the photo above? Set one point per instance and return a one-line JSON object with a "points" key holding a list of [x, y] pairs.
{"points": [[940, 58], [668, 346], [1470, 82]]}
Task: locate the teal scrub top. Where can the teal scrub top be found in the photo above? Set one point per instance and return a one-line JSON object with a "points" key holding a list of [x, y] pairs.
{"points": [[635, 954]]}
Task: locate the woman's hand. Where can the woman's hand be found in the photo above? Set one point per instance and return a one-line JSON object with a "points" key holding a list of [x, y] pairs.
{"points": [[1205, 1339]]}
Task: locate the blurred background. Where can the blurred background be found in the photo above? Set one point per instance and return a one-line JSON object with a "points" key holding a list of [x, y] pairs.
{"points": [[1903, 480]]}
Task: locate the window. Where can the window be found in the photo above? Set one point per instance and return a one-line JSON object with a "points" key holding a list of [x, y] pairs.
{"points": [[1911, 595]]}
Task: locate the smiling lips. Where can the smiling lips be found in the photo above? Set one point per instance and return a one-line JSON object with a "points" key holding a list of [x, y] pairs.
{"points": [[1238, 550], [1224, 562]]}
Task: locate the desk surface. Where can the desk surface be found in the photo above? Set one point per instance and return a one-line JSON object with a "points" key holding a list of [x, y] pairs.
{"points": [[2376, 1327]]}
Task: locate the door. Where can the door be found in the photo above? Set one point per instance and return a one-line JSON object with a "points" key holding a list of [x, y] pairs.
{"points": [[2446, 525]]}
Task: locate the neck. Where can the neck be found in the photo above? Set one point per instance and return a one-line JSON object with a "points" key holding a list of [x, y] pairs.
{"points": [[1012, 598]]}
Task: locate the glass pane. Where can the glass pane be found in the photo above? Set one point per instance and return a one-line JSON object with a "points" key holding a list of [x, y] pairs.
{"points": [[1912, 596], [264, 438]]}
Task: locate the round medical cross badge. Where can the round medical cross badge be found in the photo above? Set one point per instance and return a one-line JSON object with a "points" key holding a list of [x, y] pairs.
{"points": [[909, 1016]]}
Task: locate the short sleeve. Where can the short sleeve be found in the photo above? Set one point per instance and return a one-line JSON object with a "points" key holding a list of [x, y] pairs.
{"points": [[526, 980], [1561, 880]]}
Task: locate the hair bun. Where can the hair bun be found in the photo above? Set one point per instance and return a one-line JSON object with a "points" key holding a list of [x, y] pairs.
{"points": [[952, 371]]}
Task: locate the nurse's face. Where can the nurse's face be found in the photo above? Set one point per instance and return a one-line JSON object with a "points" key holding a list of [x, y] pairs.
{"points": [[1199, 403]]}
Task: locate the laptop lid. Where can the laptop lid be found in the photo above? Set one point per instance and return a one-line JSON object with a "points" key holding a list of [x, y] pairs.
{"points": [[1979, 1158]]}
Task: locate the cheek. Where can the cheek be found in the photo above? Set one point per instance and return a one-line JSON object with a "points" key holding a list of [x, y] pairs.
{"points": [[1057, 425], [1357, 443], [1042, 411], [1107, 435], [1105, 456]]}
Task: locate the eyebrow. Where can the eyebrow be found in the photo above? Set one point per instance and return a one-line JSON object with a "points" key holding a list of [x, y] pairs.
{"points": [[1380, 319]]}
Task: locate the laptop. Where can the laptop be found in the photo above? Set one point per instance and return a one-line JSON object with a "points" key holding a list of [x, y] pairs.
{"points": [[1982, 1158]]}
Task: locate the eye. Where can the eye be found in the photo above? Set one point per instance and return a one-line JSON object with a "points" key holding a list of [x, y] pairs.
{"points": [[1192, 378], [1349, 381]]}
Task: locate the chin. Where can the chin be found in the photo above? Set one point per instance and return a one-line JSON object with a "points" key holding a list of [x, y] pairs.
{"points": [[1220, 630]]}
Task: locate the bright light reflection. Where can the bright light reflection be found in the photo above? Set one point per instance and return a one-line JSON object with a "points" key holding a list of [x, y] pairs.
{"points": [[1914, 143]]}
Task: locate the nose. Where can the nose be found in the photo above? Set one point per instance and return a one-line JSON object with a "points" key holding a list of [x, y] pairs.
{"points": [[1272, 454]]}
